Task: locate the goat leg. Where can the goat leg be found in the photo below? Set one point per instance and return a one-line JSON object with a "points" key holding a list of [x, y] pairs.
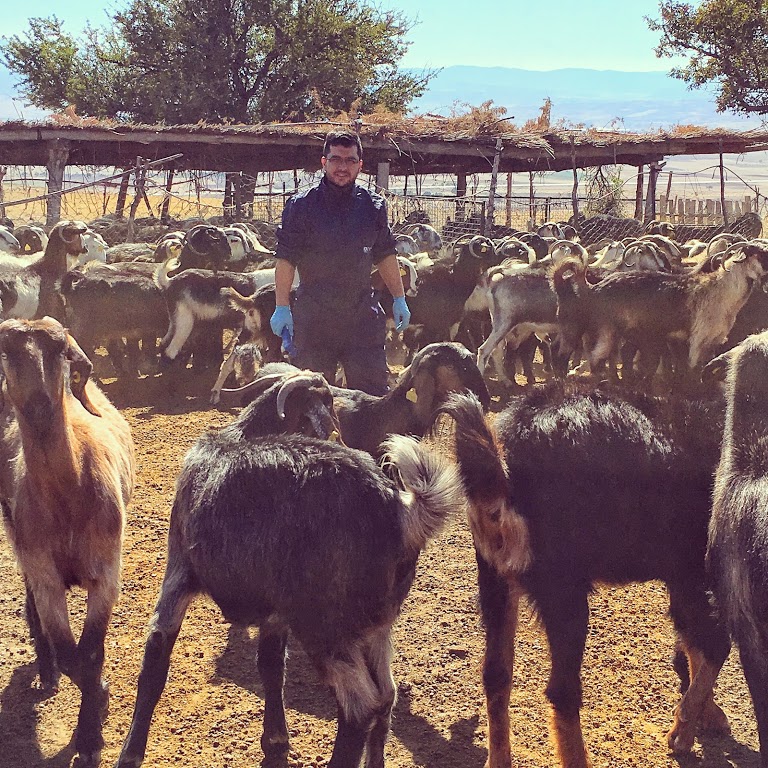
{"points": [[499, 607], [565, 613], [358, 698], [271, 663], [94, 691], [706, 645], [379, 660], [175, 596], [753, 662], [46, 659]]}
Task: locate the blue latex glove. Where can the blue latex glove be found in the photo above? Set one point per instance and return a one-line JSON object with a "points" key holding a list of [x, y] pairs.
{"points": [[400, 313], [281, 320]]}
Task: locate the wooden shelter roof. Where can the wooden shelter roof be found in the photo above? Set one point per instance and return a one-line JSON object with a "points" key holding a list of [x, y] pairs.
{"points": [[422, 145]]}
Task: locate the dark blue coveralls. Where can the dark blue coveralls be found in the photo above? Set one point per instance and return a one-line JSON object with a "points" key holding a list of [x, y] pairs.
{"points": [[334, 236]]}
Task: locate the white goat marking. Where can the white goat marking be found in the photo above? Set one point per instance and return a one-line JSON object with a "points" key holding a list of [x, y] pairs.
{"points": [[183, 323], [28, 299]]}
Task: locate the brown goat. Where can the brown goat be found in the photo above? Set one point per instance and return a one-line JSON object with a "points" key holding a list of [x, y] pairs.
{"points": [[64, 505]]}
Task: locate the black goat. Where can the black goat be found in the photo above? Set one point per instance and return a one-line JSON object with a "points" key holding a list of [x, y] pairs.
{"points": [[443, 290], [292, 533], [737, 554], [205, 247], [283, 399], [409, 408], [585, 487]]}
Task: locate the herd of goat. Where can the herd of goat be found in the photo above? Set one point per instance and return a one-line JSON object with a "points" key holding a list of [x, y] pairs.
{"points": [[307, 513]]}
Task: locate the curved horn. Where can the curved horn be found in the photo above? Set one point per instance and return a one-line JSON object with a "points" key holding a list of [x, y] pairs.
{"points": [[79, 231], [661, 259], [736, 259], [191, 235], [632, 247], [258, 385], [476, 240], [305, 379]]}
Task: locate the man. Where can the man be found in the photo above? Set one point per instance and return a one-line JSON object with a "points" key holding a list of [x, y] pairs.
{"points": [[334, 233]]}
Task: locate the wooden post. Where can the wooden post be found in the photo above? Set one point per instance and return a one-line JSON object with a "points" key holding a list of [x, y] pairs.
{"points": [[490, 210], [508, 217], [639, 192], [650, 199], [228, 205], [3, 172], [140, 175], [722, 185], [122, 194], [247, 192], [238, 189], [58, 153], [167, 199], [531, 204], [382, 177], [575, 190], [461, 196]]}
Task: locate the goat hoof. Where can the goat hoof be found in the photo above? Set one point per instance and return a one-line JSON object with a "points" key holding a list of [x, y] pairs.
{"points": [[680, 739], [88, 760]]}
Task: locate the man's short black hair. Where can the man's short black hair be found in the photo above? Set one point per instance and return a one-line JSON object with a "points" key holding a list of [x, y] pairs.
{"points": [[343, 139]]}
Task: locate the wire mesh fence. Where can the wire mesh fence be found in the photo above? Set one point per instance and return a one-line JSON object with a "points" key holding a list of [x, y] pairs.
{"points": [[173, 197]]}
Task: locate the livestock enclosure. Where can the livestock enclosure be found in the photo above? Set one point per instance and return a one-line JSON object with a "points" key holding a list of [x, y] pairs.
{"points": [[210, 713]]}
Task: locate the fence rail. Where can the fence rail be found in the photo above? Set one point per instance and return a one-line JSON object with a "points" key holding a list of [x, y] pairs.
{"points": [[88, 195]]}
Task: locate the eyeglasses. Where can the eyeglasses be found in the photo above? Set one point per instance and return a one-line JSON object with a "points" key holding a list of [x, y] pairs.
{"points": [[349, 161]]}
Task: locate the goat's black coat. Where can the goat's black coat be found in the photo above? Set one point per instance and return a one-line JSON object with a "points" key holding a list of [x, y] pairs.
{"points": [[613, 487], [330, 526], [627, 476], [738, 535]]}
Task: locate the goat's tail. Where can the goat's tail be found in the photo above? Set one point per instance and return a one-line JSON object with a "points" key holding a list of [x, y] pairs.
{"points": [[162, 271], [500, 533], [431, 488]]}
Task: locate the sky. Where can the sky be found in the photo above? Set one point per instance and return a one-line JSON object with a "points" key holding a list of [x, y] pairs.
{"points": [[598, 34]]}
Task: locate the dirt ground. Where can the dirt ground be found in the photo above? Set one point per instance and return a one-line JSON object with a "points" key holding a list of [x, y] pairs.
{"points": [[210, 713]]}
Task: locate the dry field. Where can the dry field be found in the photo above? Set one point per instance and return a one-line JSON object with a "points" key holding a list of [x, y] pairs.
{"points": [[210, 713]]}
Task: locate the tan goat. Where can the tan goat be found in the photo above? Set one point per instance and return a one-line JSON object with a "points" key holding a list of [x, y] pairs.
{"points": [[71, 469]]}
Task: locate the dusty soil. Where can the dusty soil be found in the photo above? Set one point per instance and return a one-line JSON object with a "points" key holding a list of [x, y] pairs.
{"points": [[210, 713]]}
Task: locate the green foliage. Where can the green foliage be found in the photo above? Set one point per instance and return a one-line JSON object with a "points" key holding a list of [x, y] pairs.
{"points": [[604, 191], [182, 61], [727, 42]]}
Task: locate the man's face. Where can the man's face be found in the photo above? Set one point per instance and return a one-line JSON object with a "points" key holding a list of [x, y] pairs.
{"points": [[341, 165]]}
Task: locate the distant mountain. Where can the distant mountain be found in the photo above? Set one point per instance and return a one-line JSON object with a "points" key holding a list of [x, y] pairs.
{"points": [[636, 101]]}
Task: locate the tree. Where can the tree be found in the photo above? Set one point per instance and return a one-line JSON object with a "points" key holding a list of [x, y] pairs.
{"points": [[727, 41], [182, 61]]}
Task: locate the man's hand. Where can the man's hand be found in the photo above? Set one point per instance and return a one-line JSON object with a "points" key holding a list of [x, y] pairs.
{"points": [[281, 320], [400, 313]]}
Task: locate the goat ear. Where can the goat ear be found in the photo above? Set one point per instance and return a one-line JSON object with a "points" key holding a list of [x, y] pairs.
{"points": [[717, 368], [80, 369]]}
